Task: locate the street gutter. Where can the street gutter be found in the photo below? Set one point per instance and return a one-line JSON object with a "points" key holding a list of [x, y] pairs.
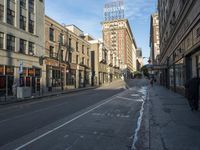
{"points": [[142, 132]]}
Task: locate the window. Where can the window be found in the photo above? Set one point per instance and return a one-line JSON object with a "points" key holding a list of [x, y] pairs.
{"points": [[1, 12], [22, 22], [31, 26], [1, 40], [77, 59], [70, 58], [61, 55], [22, 48], [51, 34], [10, 16], [88, 51], [8, 3], [10, 43], [31, 5], [198, 32], [70, 42], [77, 46], [83, 49], [61, 39], [23, 3], [31, 48], [83, 61], [51, 49]]}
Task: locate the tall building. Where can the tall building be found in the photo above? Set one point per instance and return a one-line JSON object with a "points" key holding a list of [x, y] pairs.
{"points": [[21, 44], [134, 56], [154, 39], [139, 59], [179, 41], [117, 35]]}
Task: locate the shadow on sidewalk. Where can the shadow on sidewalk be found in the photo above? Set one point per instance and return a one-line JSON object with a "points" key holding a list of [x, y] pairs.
{"points": [[168, 123]]}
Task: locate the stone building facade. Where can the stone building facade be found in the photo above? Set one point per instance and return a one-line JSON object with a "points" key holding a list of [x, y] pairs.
{"points": [[67, 57], [102, 60], [179, 41], [21, 45]]}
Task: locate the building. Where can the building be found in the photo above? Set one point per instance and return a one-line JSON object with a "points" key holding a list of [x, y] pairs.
{"points": [[21, 45], [139, 59], [118, 36], [179, 42], [102, 61], [56, 55], [80, 56], [154, 39], [134, 56], [67, 57]]}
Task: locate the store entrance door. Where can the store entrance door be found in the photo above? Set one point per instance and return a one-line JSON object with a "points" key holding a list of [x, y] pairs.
{"points": [[33, 84], [10, 80], [2, 86]]}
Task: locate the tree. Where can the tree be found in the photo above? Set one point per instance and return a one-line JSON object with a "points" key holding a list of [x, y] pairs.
{"points": [[145, 71]]}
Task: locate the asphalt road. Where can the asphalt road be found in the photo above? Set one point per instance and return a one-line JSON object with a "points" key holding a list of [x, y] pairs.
{"points": [[98, 119]]}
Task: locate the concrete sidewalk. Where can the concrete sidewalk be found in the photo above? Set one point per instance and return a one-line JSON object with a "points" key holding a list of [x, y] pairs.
{"points": [[168, 123], [12, 99]]}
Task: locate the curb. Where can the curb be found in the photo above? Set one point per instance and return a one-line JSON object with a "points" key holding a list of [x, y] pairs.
{"points": [[45, 96], [55, 94]]}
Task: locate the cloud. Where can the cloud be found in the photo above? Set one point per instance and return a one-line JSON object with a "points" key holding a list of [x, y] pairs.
{"points": [[139, 10]]}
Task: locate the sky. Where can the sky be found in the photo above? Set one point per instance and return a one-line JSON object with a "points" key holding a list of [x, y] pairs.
{"points": [[88, 15]]}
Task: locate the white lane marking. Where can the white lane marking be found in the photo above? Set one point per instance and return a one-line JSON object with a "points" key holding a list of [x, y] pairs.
{"points": [[130, 99], [66, 136], [62, 125], [135, 95], [40, 110]]}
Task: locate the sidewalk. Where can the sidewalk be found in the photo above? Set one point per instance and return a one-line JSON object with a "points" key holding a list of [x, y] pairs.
{"points": [[12, 99], [168, 123]]}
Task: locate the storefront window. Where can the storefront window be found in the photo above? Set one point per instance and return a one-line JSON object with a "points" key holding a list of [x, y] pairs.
{"points": [[9, 70], [1, 70], [171, 75], [31, 72], [56, 78], [28, 81], [179, 72], [198, 66]]}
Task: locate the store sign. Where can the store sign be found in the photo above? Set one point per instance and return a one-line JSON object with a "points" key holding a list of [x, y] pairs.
{"points": [[31, 72], [9, 70], [1, 70]]}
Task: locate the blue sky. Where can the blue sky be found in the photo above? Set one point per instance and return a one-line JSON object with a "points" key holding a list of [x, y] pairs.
{"points": [[88, 15]]}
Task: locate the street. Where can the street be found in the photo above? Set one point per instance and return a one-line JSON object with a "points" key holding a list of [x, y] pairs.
{"points": [[103, 118]]}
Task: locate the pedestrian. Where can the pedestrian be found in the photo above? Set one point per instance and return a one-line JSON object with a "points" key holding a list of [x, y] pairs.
{"points": [[192, 92]]}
